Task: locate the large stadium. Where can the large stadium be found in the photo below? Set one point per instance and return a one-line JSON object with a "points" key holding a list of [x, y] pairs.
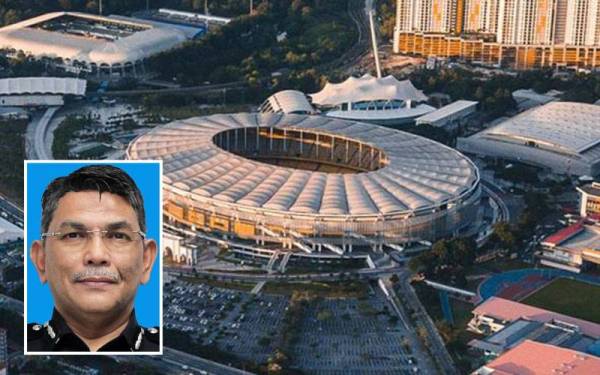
{"points": [[310, 182]]}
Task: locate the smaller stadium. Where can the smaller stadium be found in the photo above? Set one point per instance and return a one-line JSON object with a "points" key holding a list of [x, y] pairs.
{"points": [[80, 42], [562, 137]]}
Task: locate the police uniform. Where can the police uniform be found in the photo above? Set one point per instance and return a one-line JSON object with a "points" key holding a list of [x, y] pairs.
{"points": [[56, 336]]}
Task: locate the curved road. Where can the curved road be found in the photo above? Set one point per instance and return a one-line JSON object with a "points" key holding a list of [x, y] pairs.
{"points": [[38, 140]]}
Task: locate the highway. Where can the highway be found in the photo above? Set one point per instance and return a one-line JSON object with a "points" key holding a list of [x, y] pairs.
{"points": [[424, 362], [38, 146], [357, 11], [177, 90], [254, 278], [11, 212], [496, 193], [11, 303], [436, 343], [177, 362]]}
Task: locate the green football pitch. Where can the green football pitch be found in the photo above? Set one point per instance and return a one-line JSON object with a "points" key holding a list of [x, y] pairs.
{"points": [[569, 297]]}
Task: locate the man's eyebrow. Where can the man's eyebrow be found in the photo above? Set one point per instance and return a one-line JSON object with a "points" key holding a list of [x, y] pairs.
{"points": [[72, 224], [119, 225]]}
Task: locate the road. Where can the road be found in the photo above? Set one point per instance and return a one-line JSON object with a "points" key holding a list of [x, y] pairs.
{"points": [[357, 11], [424, 362], [177, 362], [179, 90], [10, 212], [329, 276], [436, 344], [496, 193], [11, 303], [38, 143]]}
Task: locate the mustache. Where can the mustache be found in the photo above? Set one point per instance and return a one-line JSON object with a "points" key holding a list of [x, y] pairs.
{"points": [[93, 272]]}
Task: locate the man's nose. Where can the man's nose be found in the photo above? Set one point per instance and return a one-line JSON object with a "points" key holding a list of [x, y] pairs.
{"points": [[96, 250]]}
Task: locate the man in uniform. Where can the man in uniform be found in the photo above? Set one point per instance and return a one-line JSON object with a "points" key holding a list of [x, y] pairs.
{"points": [[94, 254]]}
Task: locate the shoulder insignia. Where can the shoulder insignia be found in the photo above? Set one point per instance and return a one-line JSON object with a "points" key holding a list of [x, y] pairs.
{"points": [[153, 334], [34, 331]]}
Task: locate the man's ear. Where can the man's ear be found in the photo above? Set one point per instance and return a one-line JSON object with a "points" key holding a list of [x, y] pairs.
{"points": [[38, 257], [149, 257]]}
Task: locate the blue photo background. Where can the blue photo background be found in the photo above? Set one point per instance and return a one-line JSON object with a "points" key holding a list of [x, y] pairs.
{"points": [[39, 301]]}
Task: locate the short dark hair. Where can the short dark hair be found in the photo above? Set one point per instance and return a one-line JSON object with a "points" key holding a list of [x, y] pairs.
{"points": [[98, 177]]}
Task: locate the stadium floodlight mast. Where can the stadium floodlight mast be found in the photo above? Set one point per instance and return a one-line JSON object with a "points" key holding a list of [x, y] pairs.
{"points": [[100, 7]]}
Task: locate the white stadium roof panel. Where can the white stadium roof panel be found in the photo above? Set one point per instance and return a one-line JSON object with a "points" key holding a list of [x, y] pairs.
{"points": [[419, 174], [150, 40], [570, 126], [367, 88]]}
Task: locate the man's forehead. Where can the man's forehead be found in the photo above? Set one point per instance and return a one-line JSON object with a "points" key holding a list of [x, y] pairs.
{"points": [[93, 208]]}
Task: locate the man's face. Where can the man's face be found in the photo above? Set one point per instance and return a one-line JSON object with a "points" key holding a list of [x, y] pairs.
{"points": [[94, 278]]}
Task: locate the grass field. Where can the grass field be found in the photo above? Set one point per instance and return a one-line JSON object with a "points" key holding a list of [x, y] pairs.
{"points": [[569, 297]]}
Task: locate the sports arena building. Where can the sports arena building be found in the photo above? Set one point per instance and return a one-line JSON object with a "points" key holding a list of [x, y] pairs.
{"points": [[92, 44], [563, 137], [310, 182], [382, 101]]}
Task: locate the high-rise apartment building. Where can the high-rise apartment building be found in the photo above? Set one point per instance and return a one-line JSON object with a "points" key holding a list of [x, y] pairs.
{"points": [[435, 16], [527, 22], [481, 16], [523, 33]]}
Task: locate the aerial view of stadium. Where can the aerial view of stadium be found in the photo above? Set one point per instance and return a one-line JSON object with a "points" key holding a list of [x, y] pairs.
{"points": [[297, 180]]}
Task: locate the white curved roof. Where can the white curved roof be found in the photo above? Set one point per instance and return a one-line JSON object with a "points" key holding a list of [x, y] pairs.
{"points": [[568, 126], [420, 173], [367, 88], [42, 85], [287, 101], [38, 42]]}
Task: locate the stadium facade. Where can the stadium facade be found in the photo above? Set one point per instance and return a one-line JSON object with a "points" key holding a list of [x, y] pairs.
{"points": [[310, 182], [563, 137], [80, 42]]}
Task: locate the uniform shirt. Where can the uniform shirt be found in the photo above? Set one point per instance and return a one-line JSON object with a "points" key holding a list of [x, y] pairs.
{"points": [[56, 336]]}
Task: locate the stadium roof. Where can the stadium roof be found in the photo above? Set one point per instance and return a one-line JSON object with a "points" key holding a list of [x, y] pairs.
{"points": [[420, 173], [571, 127], [42, 85], [508, 310], [37, 42], [367, 88], [446, 111], [287, 101], [531, 357]]}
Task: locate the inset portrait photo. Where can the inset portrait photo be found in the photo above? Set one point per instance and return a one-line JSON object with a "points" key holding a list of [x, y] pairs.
{"points": [[93, 273]]}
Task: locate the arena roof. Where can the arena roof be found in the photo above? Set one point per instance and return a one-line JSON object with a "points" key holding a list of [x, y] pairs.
{"points": [[508, 310], [42, 85], [531, 357], [561, 136], [419, 174], [287, 101], [367, 88], [38, 42], [571, 127]]}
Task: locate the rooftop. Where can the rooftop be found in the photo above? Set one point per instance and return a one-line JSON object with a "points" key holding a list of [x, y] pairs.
{"points": [[531, 357], [591, 189], [367, 88], [447, 110], [106, 41], [562, 127], [508, 310]]}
